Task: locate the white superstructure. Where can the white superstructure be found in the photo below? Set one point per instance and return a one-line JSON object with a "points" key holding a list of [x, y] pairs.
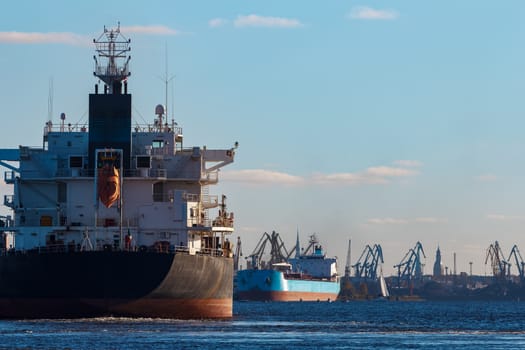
{"points": [[164, 200]]}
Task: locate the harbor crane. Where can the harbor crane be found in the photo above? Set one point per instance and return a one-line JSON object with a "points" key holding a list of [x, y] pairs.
{"points": [[238, 254], [278, 252], [520, 265], [410, 267], [497, 260], [368, 262], [348, 256]]}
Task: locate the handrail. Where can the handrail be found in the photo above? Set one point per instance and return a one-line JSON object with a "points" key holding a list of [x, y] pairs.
{"points": [[142, 128], [76, 248]]}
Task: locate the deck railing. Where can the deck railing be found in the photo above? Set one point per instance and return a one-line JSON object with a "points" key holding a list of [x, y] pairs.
{"points": [[78, 249], [140, 128]]}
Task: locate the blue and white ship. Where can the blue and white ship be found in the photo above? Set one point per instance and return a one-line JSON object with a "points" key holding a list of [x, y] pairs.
{"points": [[310, 276]]}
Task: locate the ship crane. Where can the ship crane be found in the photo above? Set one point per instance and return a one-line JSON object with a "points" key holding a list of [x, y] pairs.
{"points": [[278, 252], [519, 261], [497, 260], [238, 254], [368, 262], [348, 263], [410, 267]]}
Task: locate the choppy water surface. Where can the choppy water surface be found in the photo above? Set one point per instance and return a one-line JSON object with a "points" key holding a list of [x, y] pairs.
{"points": [[354, 325]]}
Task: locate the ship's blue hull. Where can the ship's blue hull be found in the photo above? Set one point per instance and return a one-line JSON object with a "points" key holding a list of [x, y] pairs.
{"points": [[272, 285]]}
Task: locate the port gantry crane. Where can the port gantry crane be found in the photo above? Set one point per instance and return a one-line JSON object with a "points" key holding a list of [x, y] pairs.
{"points": [[497, 260], [238, 254], [368, 262], [520, 265], [410, 267], [278, 252], [348, 256]]}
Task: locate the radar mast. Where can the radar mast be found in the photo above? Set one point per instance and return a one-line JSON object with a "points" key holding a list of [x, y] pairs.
{"points": [[113, 68]]}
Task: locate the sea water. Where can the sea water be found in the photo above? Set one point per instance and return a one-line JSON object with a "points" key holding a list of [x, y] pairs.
{"points": [[300, 325]]}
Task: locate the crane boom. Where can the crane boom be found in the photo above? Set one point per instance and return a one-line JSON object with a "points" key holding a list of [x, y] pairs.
{"points": [[519, 261], [368, 262], [348, 257], [238, 254], [278, 252], [497, 260], [410, 266]]}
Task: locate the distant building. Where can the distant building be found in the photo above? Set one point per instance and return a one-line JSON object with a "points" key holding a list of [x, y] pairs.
{"points": [[438, 270]]}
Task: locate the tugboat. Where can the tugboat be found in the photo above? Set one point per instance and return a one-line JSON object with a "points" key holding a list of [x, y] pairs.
{"points": [[112, 218]]}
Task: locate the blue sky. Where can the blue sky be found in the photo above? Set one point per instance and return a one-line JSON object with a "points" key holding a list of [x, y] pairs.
{"points": [[381, 121]]}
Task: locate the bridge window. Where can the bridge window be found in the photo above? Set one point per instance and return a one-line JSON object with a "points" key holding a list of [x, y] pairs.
{"points": [[157, 143]]}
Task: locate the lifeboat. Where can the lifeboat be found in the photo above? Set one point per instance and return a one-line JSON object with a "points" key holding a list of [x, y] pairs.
{"points": [[108, 184]]}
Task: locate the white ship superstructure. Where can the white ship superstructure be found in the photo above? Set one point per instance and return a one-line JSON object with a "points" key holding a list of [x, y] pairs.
{"points": [[163, 200]]}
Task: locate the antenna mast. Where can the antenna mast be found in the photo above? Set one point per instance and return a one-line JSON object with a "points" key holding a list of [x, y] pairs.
{"points": [[50, 100], [111, 46], [166, 80]]}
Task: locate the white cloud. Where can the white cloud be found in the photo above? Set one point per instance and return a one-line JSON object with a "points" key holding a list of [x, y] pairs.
{"points": [[486, 178], [398, 221], [76, 39], [260, 176], [368, 13], [387, 221], [43, 38], [409, 163], [501, 217], [372, 175], [430, 220], [348, 178], [387, 171], [149, 30], [217, 22], [263, 21]]}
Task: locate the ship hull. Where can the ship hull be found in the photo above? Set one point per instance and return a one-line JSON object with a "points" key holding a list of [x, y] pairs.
{"points": [[271, 285], [120, 284]]}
